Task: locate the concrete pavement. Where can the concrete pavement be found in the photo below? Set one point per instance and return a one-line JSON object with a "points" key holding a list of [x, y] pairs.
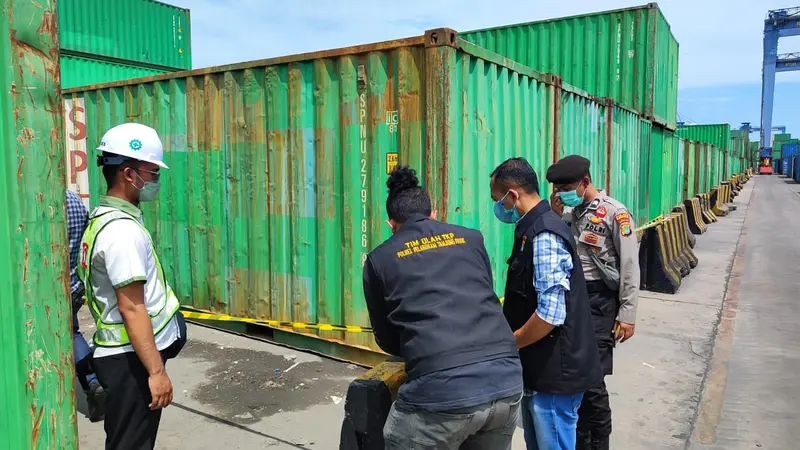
{"points": [[235, 393], [229, 395], [751, 397]]}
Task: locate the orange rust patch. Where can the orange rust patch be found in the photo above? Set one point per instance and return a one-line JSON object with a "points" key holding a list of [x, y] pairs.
{"points": [[37, 423]]}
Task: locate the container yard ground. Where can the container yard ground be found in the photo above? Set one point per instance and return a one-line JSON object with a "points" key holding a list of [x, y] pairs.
{"points": [[228, 394]]}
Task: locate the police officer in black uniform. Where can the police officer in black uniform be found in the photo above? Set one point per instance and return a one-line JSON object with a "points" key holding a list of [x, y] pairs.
{"points": [[431, 300]]}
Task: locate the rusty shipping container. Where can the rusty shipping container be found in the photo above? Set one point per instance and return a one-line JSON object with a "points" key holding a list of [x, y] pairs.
{"points": [[276, 187], [36, 388], [629, 55]]}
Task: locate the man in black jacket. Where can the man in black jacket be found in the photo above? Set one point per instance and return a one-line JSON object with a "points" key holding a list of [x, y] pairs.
{"points": [[547, 306], [431, 301]]}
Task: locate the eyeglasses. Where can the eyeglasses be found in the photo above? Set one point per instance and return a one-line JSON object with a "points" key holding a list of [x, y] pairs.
{"points": [[156, 175]]}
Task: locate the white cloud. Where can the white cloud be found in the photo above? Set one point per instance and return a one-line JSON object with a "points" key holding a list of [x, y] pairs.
{"points": [[720, 41]]}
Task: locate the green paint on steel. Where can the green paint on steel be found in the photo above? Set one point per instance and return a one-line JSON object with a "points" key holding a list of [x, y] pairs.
{"points": [[494, 114], [781, 137], [144, 31], [717, 134], [37, 387], [276, 187], [645, 171], [583, 131], [667, 170], [628, 55], [630, 150], [77, 71]]}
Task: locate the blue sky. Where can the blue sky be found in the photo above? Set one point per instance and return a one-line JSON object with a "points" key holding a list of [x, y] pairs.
{"points": [[720, 41]]}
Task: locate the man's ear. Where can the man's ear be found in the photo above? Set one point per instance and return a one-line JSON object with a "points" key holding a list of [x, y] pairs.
{"points": [[391, 224], [434, 214]]}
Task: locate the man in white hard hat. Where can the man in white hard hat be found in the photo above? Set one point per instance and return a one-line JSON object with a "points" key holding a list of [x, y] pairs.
{"points": [[139, 326]]}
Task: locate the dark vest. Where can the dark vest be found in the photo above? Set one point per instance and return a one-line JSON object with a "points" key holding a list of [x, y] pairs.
{"points": [[438, 285], [566, 361]]}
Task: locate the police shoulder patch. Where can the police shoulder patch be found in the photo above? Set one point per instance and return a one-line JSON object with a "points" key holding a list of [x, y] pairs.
{"points": [[622, 217], [625, 229]]}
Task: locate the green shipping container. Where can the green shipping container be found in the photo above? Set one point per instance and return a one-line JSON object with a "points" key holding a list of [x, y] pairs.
{"points": [[143, 31], [781, 137], [691, 153], [78, 71], [616, 153], [276, 187], [629, 55], [630, 162], [36, 386], [718, 134]]}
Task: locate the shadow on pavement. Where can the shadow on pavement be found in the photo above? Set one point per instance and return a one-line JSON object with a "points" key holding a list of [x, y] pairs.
{"points": [[235, 425]]}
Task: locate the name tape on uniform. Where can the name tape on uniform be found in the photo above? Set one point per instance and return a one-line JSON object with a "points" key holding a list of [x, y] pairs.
{"points": [[430, 243], [190, 313]]}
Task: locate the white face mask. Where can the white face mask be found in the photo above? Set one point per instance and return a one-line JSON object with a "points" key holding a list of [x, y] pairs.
{"points": [[149, 190]]}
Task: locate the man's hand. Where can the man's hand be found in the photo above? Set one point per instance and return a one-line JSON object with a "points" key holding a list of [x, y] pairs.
{"points": [[623, 331], [160, 390], [556, 204]]}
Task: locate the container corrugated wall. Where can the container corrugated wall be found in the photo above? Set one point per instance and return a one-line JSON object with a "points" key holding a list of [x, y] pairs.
{"points": [[630, 162], [145, 31], [276, 188], [36, 387], [628, 55], [78, 71], [715, 134], [583, 131], [494, 113], [690, 155], [787, 153]]}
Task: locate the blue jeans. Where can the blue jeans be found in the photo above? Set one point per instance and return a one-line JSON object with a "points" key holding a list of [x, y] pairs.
{"points": [[550, 420]]}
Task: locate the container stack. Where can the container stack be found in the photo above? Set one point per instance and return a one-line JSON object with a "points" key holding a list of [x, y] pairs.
{"points": [[103, 41], [276, 189]]}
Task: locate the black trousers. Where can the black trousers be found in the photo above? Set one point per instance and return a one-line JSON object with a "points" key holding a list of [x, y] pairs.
{"points": [[594, 414], [129, 423]]}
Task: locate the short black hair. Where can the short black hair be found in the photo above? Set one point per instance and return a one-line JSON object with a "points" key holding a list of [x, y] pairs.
{"points": [[516, 173], [406, 196]]}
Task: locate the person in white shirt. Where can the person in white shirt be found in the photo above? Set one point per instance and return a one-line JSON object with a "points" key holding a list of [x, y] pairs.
{"points": [[139, 326]]}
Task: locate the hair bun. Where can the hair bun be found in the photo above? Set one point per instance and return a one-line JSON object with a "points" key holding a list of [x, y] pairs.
{"points": [[402, 178]]}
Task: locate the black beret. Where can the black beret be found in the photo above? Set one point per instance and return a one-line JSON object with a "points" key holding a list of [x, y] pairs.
{"points": [[568, 169]]}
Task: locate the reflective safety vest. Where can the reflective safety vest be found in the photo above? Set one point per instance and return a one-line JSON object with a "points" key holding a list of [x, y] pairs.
{"points": [[114, 334]]}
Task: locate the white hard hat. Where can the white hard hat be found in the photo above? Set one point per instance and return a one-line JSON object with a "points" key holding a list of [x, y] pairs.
{"points": [[136, 141]]}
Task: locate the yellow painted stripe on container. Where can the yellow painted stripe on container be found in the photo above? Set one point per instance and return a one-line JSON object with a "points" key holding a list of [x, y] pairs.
{"points": [[191, 313]]}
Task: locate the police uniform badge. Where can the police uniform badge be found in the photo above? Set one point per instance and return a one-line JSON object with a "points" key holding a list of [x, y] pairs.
{"points": [[624, 221]]}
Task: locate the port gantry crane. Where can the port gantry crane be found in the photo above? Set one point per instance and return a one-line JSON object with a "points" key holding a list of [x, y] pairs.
{"points": [[778, 24]]}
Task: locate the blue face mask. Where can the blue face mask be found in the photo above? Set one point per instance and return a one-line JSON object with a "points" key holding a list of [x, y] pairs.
{"points": [[571, 198], [505, 215]]}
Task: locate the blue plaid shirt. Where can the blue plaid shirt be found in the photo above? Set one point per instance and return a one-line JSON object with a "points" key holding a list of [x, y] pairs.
{"points": [[77, 220], [552, 265]]}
